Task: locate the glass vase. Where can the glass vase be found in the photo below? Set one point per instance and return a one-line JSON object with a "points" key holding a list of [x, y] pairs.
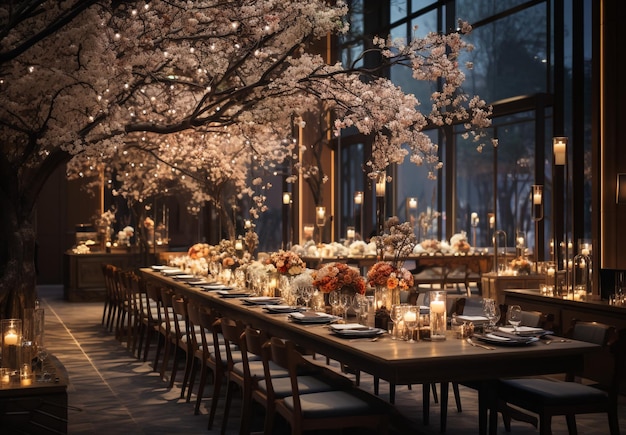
{"points": [[438, 315], [11, 344]]}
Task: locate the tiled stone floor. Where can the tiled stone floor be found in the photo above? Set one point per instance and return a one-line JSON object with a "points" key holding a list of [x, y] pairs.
{"points": [[112, 392]]}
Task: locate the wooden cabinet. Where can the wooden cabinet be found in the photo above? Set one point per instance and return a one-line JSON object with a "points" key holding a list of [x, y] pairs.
{"points": [[494, 285], [83, 278], [40, 408]]}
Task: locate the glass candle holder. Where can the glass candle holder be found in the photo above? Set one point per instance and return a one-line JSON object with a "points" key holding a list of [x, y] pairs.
{"points": [[437, 315], [11, 344]]}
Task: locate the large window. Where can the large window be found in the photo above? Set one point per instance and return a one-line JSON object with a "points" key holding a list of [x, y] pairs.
{"points": [[525, 64]]}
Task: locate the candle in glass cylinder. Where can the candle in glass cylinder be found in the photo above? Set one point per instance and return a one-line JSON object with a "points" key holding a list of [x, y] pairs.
{"points": [[437, 315], [10, 339], [437, 307]]}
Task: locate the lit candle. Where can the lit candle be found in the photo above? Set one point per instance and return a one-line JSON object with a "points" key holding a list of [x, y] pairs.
{"points": [[286, 198], [537, 198], [560, 149], [585, 251], [307, 231], [551, 271], [321, 212], [474, 219], [238, 245], [437, 307], [380, 185], [413, 203], [520, 241], [492, 221], [350, 233], [10, 339], [358, 198], [247, 224], [410, 316]]}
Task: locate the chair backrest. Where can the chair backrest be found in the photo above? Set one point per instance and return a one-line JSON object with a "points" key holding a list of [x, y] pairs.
{"points": [[532, 318], [232, 332], [179, 309], [605, 365]]}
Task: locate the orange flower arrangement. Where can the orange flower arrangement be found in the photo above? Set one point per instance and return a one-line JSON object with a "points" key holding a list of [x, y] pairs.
{"points": [[385, 274], [287, 262], [337, 276]]}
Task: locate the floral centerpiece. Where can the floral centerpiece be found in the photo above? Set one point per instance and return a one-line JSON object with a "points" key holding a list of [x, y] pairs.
{"points": [[338, 276], [286, 262], [459, 243], [391, 275], [521, 265]]}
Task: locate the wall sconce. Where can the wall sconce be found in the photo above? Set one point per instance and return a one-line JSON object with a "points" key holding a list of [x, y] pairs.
{"points": [[559, 146], [620, 197], [358, 198]]}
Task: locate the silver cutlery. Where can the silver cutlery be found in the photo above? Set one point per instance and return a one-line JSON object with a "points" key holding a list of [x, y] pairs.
{"points": [[470, 341]]}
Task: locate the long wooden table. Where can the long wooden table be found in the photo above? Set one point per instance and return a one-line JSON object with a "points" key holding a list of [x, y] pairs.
{"points": [[401, 362]]}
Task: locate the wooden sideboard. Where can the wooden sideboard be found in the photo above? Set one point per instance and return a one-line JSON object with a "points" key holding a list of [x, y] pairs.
{"points": [[494, 285], [82, 276], [39, 408]]}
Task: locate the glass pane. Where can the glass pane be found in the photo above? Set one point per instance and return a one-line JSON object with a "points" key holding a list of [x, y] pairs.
{"points": [[351, 172], [476, 10], [398, 10], [412, 182], [505, 173], [509, 57], [416, 5]]}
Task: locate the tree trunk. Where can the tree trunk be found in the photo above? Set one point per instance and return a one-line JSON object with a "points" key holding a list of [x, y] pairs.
{"points": [[17, 266]]}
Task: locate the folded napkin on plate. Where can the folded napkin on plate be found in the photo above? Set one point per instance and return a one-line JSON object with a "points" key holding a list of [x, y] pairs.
{"points": [[524, 331], [503, 336], [282, 308]]}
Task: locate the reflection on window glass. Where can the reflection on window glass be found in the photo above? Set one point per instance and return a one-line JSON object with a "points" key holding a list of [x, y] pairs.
{"points": [[509, 56], [509, 168], [476, 10], [412, 182], [398, 10]]}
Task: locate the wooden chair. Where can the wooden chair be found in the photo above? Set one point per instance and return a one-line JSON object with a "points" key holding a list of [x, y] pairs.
{"points": [[243, 367], [152, 319], [266, 393], [343, 407], [180, 340], [108, 312], [549, 397]]}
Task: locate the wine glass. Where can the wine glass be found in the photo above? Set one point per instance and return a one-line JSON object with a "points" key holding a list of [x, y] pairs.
{"points": [[307, 293], [345, 301], [396, 317], [334, 299], [357, 306], [491, 312], [514, 316]]}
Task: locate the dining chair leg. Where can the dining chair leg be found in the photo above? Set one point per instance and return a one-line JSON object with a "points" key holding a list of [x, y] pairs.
{"points": [[426, 403], [227, 404], [217, 386], [203, 376], [457, 396], [443, 415]]}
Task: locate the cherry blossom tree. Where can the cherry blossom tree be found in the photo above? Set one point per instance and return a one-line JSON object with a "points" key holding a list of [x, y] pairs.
{"points": [[194, 90]]}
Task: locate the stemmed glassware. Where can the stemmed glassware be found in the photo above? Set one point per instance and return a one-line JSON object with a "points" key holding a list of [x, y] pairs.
{"points": [[345, 301], [396, 317], [491, 312], [306, 292], [514, 316], [334, 299]]}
